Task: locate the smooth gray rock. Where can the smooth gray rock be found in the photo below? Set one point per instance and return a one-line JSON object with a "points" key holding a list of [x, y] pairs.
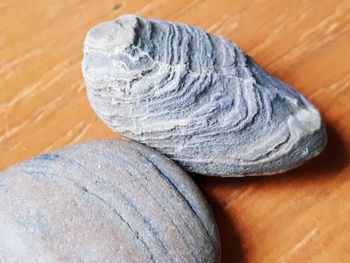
{"points": [[197, 98], [104, 201]]}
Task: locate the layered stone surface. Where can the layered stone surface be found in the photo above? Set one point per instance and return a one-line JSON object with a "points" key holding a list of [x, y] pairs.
{"points": [[197, 98]]}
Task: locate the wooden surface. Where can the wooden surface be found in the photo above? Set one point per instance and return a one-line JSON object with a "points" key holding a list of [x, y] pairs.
{"points": [[302, 216]]}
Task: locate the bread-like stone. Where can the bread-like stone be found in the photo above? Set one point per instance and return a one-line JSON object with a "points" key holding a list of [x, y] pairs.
{"points": [[104, 201]]}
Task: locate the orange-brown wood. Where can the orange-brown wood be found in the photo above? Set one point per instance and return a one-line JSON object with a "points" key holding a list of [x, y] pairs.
{"points": [[301, 216]]}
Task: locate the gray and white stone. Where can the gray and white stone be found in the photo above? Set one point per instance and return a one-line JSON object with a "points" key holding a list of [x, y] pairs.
{"points": [[197, 98], [104, 201]]}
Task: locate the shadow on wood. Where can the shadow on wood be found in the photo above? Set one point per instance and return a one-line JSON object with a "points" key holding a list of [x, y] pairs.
{"points": [[330, 162], [231, 245]]}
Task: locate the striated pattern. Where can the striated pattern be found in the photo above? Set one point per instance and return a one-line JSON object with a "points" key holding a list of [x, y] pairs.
{"points": [[197, 98], [104, 201]]}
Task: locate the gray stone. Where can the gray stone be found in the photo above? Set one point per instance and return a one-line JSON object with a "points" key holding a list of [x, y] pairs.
{"points": [[104, 201], [197, 98]]}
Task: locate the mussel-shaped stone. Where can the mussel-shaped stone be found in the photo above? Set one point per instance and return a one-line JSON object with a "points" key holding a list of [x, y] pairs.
{"points": [[197, 98], [104, 201]]}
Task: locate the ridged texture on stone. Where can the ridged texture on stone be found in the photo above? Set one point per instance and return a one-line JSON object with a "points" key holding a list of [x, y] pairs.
{"points": [[197, 98], [104, 201]]}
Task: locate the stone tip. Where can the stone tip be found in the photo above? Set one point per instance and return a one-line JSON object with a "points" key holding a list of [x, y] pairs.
{"points": [[109, 35]]}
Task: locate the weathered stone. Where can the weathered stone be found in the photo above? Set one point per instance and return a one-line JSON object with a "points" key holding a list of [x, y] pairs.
{"points": [[197, 98], [104, 201]]}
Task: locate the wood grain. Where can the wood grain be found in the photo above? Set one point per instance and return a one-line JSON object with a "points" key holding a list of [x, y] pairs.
{"points": [[302, 216]]}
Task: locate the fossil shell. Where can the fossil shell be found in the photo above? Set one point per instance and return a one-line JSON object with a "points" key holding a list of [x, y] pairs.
{"points": [[104, 201], [197, 98]]}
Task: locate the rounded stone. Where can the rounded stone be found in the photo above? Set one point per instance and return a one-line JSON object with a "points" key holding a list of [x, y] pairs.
{"points": [[104, 201]]}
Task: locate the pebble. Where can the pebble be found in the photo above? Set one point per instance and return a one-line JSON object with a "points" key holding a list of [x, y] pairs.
{"points": [[104, 201]]}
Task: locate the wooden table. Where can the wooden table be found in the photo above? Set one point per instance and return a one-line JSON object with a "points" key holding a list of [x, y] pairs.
{"points": [[301, 216]]}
